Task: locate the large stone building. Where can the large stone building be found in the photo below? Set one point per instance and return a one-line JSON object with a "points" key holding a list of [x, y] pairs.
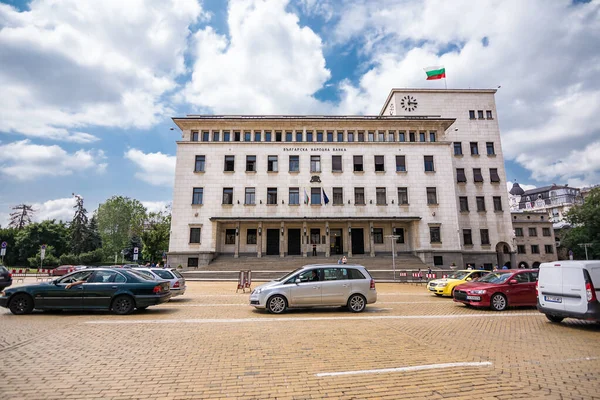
{"points": [[534, 239], [428, 169]]}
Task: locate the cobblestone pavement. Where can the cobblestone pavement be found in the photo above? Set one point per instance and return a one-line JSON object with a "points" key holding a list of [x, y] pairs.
{"points": [[211, 344]]}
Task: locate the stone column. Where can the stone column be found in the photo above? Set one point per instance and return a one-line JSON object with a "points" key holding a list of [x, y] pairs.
{"points": [[236, 253], [371, 240], [348, 231], [327, 240], [304, 234], [259, 241], [281, 240]]}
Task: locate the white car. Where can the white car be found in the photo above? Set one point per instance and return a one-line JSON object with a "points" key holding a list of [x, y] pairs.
{"points": [[176, 280]]}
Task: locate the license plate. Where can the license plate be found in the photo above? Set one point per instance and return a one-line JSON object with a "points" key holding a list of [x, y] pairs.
{"points": [[432, 289], [553, 299], [474, 298]]}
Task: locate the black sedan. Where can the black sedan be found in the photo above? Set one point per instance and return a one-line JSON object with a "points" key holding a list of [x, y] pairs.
{"points": [[5, 277], [121, 291]]}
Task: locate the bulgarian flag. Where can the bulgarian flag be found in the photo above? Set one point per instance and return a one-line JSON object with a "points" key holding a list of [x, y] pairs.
{"points": [[437, 72]]}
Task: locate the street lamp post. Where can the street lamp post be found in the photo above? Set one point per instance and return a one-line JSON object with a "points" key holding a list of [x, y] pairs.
{"points": [[393, 237]]}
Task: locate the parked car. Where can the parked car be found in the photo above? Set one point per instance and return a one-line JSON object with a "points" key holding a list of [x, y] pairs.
{"points": [[62, 270], [94, 289], [176, 280], [5, 277], [317, 285], [500, 289], [445, 286], [569, 289]]}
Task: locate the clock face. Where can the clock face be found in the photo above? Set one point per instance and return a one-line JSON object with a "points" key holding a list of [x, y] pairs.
{"points": [[408, 103]]}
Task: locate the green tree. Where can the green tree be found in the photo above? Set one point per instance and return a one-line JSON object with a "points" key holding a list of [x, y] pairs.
{"points": [[21, 216], [585, 220], [8, 235], [50, 259], [49, 232], [79, 228], [94, 241], [155, 237], [119, 219]]}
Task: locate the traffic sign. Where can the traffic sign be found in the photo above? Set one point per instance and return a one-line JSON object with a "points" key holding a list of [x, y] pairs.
{"points": [[43, 252], [3, 251], [43, 247], [4, 245], [135, 250], [135, 256]]}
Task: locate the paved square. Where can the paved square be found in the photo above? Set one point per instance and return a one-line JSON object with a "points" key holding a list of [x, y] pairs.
{"points": [[209, 344]]}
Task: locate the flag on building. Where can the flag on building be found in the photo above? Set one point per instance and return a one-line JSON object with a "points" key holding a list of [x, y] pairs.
{"points": [[437, 72], [306, 200], [325, 198]]}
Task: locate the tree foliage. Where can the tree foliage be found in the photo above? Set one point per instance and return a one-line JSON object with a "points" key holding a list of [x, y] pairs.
{"points": [[119, 219], [8, 235], [585, 220], [155, 237], [79, 228], [49, 232], [21, 216], [94, 241]]}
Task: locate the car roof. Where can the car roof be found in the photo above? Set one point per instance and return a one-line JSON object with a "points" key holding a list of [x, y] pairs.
{"points": [[332, 265]]}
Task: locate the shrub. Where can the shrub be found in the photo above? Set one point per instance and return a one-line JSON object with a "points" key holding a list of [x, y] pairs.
{"points": [[69, 259], [91, 257]]}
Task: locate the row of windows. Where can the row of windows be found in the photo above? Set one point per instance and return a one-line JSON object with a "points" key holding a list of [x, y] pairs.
{"points": [[316, 136], [463, 203], [461, 177], [535, 249], [488, 114], [483, 235], [474, 147], [532, 232]]}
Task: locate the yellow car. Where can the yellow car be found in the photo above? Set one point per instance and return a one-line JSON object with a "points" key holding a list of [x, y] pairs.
{"points": [[445, 286]]}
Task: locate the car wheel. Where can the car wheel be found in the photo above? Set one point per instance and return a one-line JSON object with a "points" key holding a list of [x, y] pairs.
{"points": [[498, 302], [123, 305], [21, 304], [356, 303], [452, 293], [554, 318], [276, 304]]}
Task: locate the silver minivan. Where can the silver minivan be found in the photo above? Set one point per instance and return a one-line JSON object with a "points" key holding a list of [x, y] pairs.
{"points": [[318, 285]]}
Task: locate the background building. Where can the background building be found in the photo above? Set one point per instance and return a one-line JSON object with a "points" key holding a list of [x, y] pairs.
{"points": [[534, 239]]}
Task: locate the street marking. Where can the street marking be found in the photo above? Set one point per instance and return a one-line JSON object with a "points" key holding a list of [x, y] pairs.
{"points": [[407, 369], [291, 319]]}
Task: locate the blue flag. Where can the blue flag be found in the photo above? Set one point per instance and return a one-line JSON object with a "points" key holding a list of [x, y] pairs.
{"points": [[325, 198]]}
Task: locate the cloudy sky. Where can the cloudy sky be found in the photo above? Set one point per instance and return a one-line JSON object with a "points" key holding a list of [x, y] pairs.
{"points": [[89, 87]]}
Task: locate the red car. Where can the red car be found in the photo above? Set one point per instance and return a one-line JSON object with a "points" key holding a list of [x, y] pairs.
{"points": [[62, 270], [500, 289]]}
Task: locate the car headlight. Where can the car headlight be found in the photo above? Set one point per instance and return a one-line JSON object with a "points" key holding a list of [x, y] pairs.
{"points": [[442, 285], [256, 291], [478, 291]]}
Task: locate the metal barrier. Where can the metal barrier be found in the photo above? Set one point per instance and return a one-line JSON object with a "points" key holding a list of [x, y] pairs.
{"points": [[19, 274], [419, 276], [42, 274], [244, 280]]}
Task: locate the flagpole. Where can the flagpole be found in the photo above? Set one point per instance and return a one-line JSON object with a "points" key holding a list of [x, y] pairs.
{"points": [[445, 84]]}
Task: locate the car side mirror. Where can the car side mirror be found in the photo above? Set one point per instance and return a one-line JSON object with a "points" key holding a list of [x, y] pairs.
{"points": [[513, 282], [298, 280]]}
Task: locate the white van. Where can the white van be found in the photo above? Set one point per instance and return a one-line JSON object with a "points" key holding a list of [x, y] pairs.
{"points": [[569, 289]]}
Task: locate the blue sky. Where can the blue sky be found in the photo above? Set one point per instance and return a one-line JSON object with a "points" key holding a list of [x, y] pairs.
{"points": [[89, 88]]}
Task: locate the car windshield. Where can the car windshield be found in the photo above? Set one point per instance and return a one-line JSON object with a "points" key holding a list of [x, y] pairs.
{"points": [[177, 274], [163, 273], [458, 275], [495, 278], [283, 278]]}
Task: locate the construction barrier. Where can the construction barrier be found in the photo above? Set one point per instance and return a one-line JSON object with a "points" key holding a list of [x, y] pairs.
{"points": [[19, 274], [244, 280], [419, 276], [42, 274]]}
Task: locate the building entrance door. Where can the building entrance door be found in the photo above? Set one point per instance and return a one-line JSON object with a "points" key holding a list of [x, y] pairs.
{"points": [[272, 242], [337, 244], [294, 244], [358, 241]]}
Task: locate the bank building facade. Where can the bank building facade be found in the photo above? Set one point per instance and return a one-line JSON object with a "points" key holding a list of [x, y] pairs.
{"points": [[424, 177]]}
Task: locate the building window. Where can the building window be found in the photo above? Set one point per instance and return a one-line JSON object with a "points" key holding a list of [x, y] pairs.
{"points": [[359, 196], [435, 234], [494, 177], [428, 163], [471, 114], [411, 136], [199, 165], [338, 196], [497, 203], [403, 195], [358, 164], [379, 164], [236, 136], [519, 232], [401, 136], [467, 239], [205, 136], [549, 249], [532, 231], [474, 148], [319, 136], [215, 136], [463, 203], [521, 249], [227, 195], [194, 235], [251, 236], [371, 136], [229, 236], [380, 196], [257, 136], [251, 163], [267, 136], [315, 195], [378, 235], [315, 236], [194, 136], [477, 177], [490, 148], [431, 195], [298, 136], [400, 164], [480, 114], [485, 236], [330, 136], [432, 136], [247, 136], [192, 262], [336, 163], [546, 232], [421, 136], [278, 136], [272, 164], [460, 175], [229, 163], [340, 136], [391, 136], [294, 196], [361, 136], [198, 195], [399, 233], [488, 114], [309, 136], [226, 136], [271, 195], [480, 200], [350, 136], [315, 163], [535, 249], [458, 149], [381, 136], [250, 196], [289, 136], [438, 260], [294, 163]]}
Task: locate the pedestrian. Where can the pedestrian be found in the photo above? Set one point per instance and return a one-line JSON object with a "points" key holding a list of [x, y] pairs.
{"points": [[339, 260], [505, 266], [314, 249], [469, 266], [344, 260], [481, 268], [429, 270]]}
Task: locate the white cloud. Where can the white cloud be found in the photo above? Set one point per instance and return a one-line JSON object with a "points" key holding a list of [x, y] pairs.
{"points": [[268, 65], [155, 168], [157, 206], [58, 209], [24, 161], [71, 64]]}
